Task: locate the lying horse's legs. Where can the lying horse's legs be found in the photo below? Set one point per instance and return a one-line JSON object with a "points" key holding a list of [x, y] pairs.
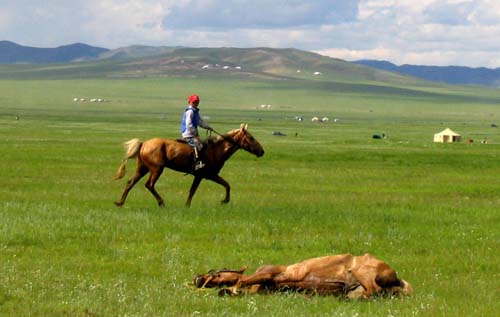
{"points": [[366, 276], [257, 278], [192, 190], [139, 173], [221, 181], [150, 184], [255, 281]]}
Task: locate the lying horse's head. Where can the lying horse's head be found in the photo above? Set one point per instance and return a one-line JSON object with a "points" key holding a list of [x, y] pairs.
{"points": [[405, 289], [246, 141], [214, 278]]}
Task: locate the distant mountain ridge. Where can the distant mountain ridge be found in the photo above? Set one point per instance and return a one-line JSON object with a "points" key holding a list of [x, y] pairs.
{"points": [[140, 60], [457, 75], [12, 53], [223, 62]]}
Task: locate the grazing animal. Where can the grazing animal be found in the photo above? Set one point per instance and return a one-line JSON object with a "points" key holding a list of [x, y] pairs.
{"points": [[378, 136], [156, 154], [341, 275], [279, 133]]}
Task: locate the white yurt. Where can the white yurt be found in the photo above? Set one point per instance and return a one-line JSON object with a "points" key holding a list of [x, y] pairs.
{"points": [[447, 136]]}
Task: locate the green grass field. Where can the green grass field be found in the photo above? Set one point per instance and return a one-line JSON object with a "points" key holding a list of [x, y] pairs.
{"points": [[432, 211]]}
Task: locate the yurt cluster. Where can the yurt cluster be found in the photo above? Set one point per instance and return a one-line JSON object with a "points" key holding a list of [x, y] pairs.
{"points": [[76, 99]]}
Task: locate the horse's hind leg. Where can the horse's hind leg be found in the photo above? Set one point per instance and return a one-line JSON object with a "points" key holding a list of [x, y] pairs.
{"points": [[150, 184], [139, 173]]}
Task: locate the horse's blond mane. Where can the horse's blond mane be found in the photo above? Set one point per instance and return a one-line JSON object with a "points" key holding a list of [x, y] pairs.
{"points": [[218, 138], [232, 133]]}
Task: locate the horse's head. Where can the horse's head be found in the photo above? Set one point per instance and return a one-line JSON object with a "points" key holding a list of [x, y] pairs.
{"points": [[246, 141], [220, 278], [405, 289]]}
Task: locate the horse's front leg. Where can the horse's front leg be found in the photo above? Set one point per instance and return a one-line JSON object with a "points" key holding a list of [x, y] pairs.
{"points": [[194, 187], [255, 281], [222, 181]]}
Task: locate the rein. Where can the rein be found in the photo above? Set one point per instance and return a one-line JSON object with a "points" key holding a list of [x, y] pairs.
{"points": [[226, 138]]}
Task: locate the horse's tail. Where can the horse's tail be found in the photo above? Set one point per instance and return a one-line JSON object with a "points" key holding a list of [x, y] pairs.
{"points": [[132, 148]]}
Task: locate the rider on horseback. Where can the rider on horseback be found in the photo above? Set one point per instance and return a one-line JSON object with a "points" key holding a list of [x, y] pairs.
{"points": [[189, 128]]}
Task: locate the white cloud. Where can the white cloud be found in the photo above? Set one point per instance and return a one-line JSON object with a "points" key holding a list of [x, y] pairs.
{"points": [[474, 58], [5, 21], [259, 14], [121, 23], [461, 32], [421, 32], [487, 12], [352, 55]]}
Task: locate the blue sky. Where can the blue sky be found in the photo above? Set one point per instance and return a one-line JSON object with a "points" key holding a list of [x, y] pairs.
{"points": [[424, 32]]}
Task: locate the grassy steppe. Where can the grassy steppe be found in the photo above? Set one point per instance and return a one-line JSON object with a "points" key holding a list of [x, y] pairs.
{"points": [[430, 210]]}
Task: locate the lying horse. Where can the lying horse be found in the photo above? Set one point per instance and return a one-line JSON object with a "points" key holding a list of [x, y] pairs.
{"points": [[156, 154], [341, 275]]}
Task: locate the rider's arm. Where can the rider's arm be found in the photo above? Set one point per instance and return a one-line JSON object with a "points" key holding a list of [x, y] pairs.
{"points": [[204, 125]]}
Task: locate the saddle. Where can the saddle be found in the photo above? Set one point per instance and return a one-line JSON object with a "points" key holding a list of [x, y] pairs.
{"points": [[205, 142]]}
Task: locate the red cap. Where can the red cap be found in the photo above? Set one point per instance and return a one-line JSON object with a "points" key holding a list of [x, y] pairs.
{"points": [[193, 98]]}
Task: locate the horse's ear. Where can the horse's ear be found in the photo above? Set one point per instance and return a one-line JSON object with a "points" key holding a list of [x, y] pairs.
{"points": [[243, 127]]}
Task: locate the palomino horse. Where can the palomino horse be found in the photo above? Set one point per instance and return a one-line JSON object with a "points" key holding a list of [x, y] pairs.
{"points": [[156, 154], [342, 275]]}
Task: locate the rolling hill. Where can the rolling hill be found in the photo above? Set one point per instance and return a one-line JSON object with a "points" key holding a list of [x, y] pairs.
{"points": [[12, 53], [243, 63], [147, 61]]}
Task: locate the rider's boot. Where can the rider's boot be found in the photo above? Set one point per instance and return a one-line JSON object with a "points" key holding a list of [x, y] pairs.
{"points": [[198, 164]]}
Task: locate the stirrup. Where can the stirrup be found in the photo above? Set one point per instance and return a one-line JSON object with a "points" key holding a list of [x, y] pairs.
{"points": [[198, 165]]}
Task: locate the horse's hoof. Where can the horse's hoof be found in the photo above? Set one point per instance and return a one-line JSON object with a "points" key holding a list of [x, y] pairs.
{"points": [[118, 204], [223, 202]]}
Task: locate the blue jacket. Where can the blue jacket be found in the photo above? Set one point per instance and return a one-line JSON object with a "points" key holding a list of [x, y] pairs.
{"points": [[190, 122]]}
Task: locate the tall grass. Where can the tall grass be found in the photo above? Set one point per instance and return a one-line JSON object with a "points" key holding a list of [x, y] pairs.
{"points": [[430, 210]]}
